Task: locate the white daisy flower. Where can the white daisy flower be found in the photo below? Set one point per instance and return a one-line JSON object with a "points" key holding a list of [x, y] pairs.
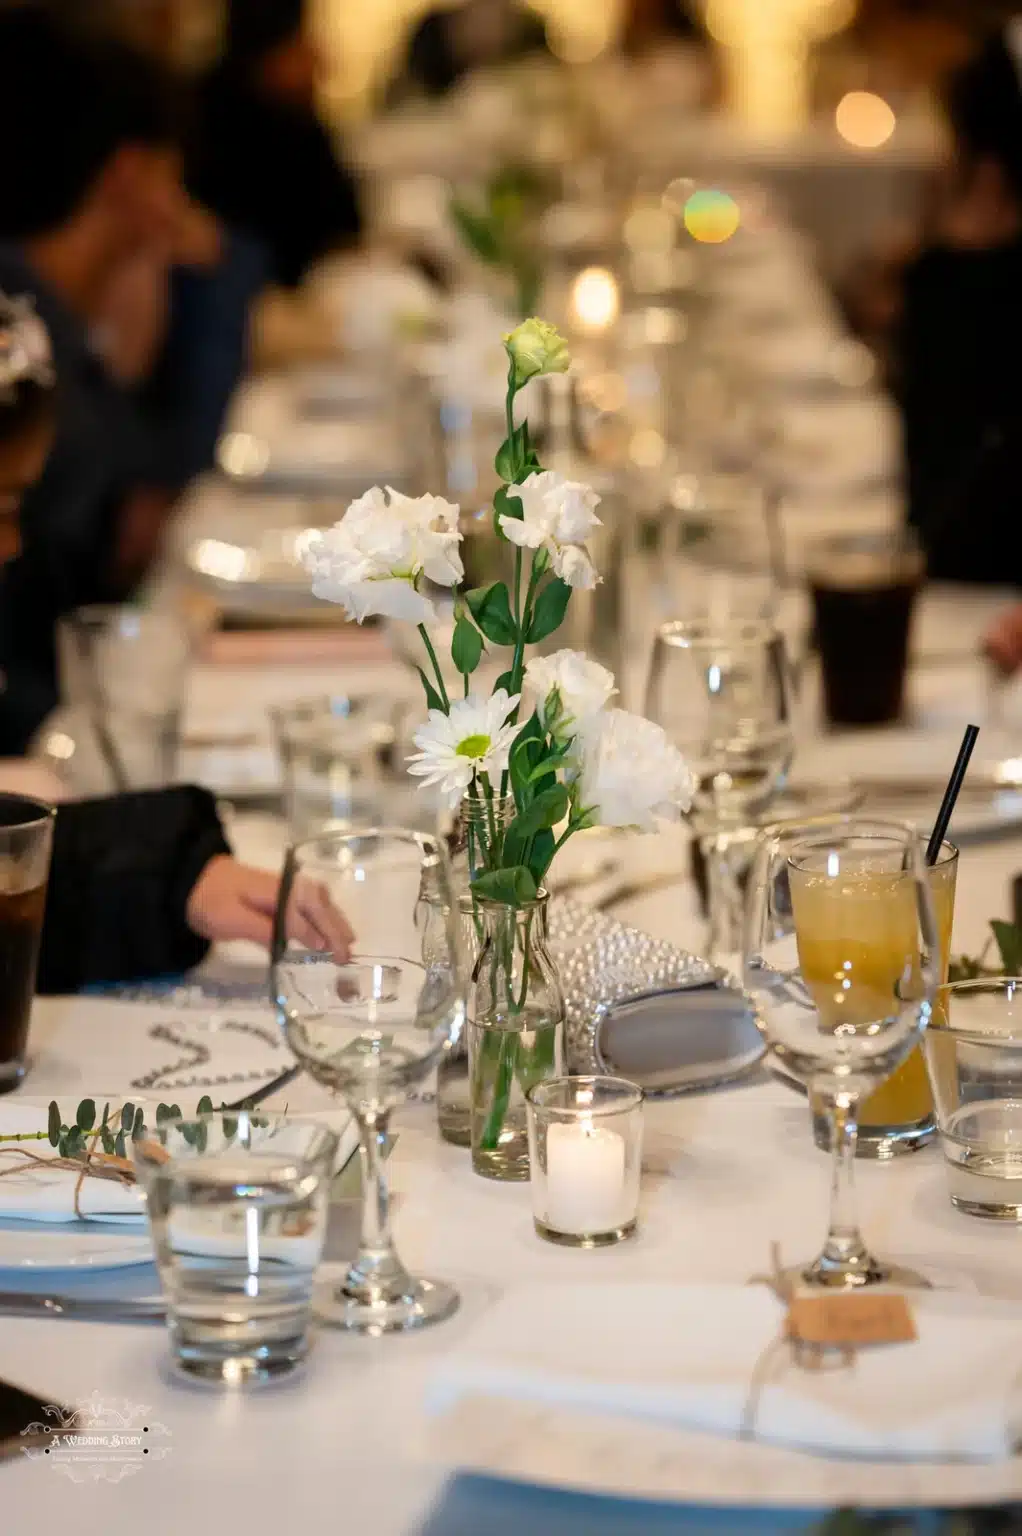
{"points": [[558, 515], [473, 738]]}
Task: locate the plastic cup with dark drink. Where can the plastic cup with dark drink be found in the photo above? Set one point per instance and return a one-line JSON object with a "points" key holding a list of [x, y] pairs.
{"points": [[864, 591], [26, 841]]}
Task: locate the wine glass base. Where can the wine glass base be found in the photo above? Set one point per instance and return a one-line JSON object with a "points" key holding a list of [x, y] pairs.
{"points": [[823, 1276], [421, 1303]]}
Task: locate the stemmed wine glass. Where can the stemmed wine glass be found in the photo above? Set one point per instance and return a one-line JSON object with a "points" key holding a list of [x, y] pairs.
{"points": [[370, 1022], [841, 957], [722, 692]]}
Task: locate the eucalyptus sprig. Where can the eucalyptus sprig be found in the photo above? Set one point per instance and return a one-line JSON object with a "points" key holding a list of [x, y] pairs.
{"points": [[77, 1140]]}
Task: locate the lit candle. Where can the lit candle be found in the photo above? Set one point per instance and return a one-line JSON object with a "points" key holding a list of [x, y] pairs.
{"points": [[585, 1179]]}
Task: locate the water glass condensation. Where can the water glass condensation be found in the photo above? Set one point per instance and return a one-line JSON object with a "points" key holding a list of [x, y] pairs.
{"points": [[370, 1017], [331, 750], [722, 692], [841, 962], [123, 674], [26, 842], [238, 1208], [974, 1057]]}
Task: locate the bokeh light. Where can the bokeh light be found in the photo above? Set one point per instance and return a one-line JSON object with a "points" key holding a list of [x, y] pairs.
{"points": [[595, 299], [865, 120], [712, 217]]}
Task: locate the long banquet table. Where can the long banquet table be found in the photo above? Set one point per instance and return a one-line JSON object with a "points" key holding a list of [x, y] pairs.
{"points": [[349, 1442]]}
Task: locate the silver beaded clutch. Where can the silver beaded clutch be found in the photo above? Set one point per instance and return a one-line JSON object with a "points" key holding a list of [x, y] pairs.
{"points": [[608, 969]]}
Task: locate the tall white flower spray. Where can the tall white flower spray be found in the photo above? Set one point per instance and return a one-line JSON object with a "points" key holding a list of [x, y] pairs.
{"points": [[569, 760]]}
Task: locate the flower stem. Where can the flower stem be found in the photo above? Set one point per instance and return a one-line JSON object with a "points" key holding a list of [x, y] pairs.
{"points": [[441, 685]]}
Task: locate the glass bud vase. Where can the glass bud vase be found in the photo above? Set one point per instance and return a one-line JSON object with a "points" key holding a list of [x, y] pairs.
{"points": [[516, 1033], [478, 824]]}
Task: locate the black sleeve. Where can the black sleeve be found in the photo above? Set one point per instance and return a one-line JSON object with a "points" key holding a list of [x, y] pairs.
{"points": [[123, 869]]}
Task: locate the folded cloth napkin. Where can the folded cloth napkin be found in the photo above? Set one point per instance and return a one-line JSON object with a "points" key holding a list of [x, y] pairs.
{"points": [[686, 1356]]}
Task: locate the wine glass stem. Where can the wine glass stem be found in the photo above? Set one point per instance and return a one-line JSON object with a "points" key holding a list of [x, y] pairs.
{"points": [[844, 1253], [377, 1275], [723, 902]]}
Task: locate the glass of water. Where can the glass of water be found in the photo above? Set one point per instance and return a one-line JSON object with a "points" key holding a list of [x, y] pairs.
{"points": [[974, 1057], [238, 1208], [332, 749], [373, 1022], [722, 692], [123, 673]]}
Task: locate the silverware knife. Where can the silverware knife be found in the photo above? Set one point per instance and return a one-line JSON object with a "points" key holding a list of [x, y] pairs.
{"points": [[83, 1309]]}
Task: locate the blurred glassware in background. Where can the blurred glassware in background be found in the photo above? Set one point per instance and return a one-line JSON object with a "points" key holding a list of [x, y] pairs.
{"points": [[123, 673], [723, 694], [864, 590], [334, 754]]}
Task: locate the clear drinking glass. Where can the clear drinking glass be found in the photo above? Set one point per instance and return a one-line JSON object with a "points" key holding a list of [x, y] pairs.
{"points": [[842, 954], [585, 1150], [123, 674], [371, 1023], [974, 1055], [722, 692], [238, 1210], [331, 750], [26, 842]]}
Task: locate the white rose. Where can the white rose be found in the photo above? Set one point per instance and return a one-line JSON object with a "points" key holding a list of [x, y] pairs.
{"points": [[558, 515], [568, 688], [629, 773], [374, 559]]}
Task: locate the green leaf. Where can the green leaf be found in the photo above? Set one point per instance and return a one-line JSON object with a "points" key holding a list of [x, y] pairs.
{"points": [[106, 1136], [548, 614], [545, 812], [120, 1146], [466, 647], [543, 849], [204, 1106], [230, 1128], [1009, 942], [163, 1112], [480, 232], [505, 504], [138, 1127], [514, 887], [433, 699], [504, 681], [127, 1117], [53, 1123], [85, 1119], [175, 1111], [201, 1136], [75, 1142], [106, 1114], [491, 609]]}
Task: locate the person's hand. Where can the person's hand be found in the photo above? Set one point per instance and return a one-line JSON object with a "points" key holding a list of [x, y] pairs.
{"points": [[1002, 643], [231, 901]]}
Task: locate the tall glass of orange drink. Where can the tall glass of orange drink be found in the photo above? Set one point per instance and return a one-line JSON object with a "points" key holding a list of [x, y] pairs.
{"points": [[899, 1117]]}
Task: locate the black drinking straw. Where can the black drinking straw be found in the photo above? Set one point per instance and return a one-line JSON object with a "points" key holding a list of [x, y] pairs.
{"points": [[954, 785]]}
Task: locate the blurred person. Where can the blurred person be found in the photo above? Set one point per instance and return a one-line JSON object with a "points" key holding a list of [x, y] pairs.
{"points": [[260, 157], [140, 884], [448, 44], [91, 189], [959, 336]]}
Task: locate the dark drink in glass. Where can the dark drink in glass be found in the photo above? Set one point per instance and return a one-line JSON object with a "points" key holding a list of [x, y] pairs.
{"points": [[864, 591], [26, 838]]}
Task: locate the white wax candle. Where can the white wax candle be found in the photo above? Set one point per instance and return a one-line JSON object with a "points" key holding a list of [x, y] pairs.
{"points": [[585, 1179]]}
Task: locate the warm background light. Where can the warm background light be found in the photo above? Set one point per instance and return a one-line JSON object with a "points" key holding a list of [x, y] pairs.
{"points": [[765, 46], [594, 300], [712, 217], [865, 120]]}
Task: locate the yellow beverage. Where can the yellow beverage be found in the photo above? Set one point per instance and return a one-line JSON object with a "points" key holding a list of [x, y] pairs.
{"points": [[855, 939]]}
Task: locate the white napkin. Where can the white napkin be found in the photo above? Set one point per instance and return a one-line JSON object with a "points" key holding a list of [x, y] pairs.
{"points": [[685, 1356]]}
